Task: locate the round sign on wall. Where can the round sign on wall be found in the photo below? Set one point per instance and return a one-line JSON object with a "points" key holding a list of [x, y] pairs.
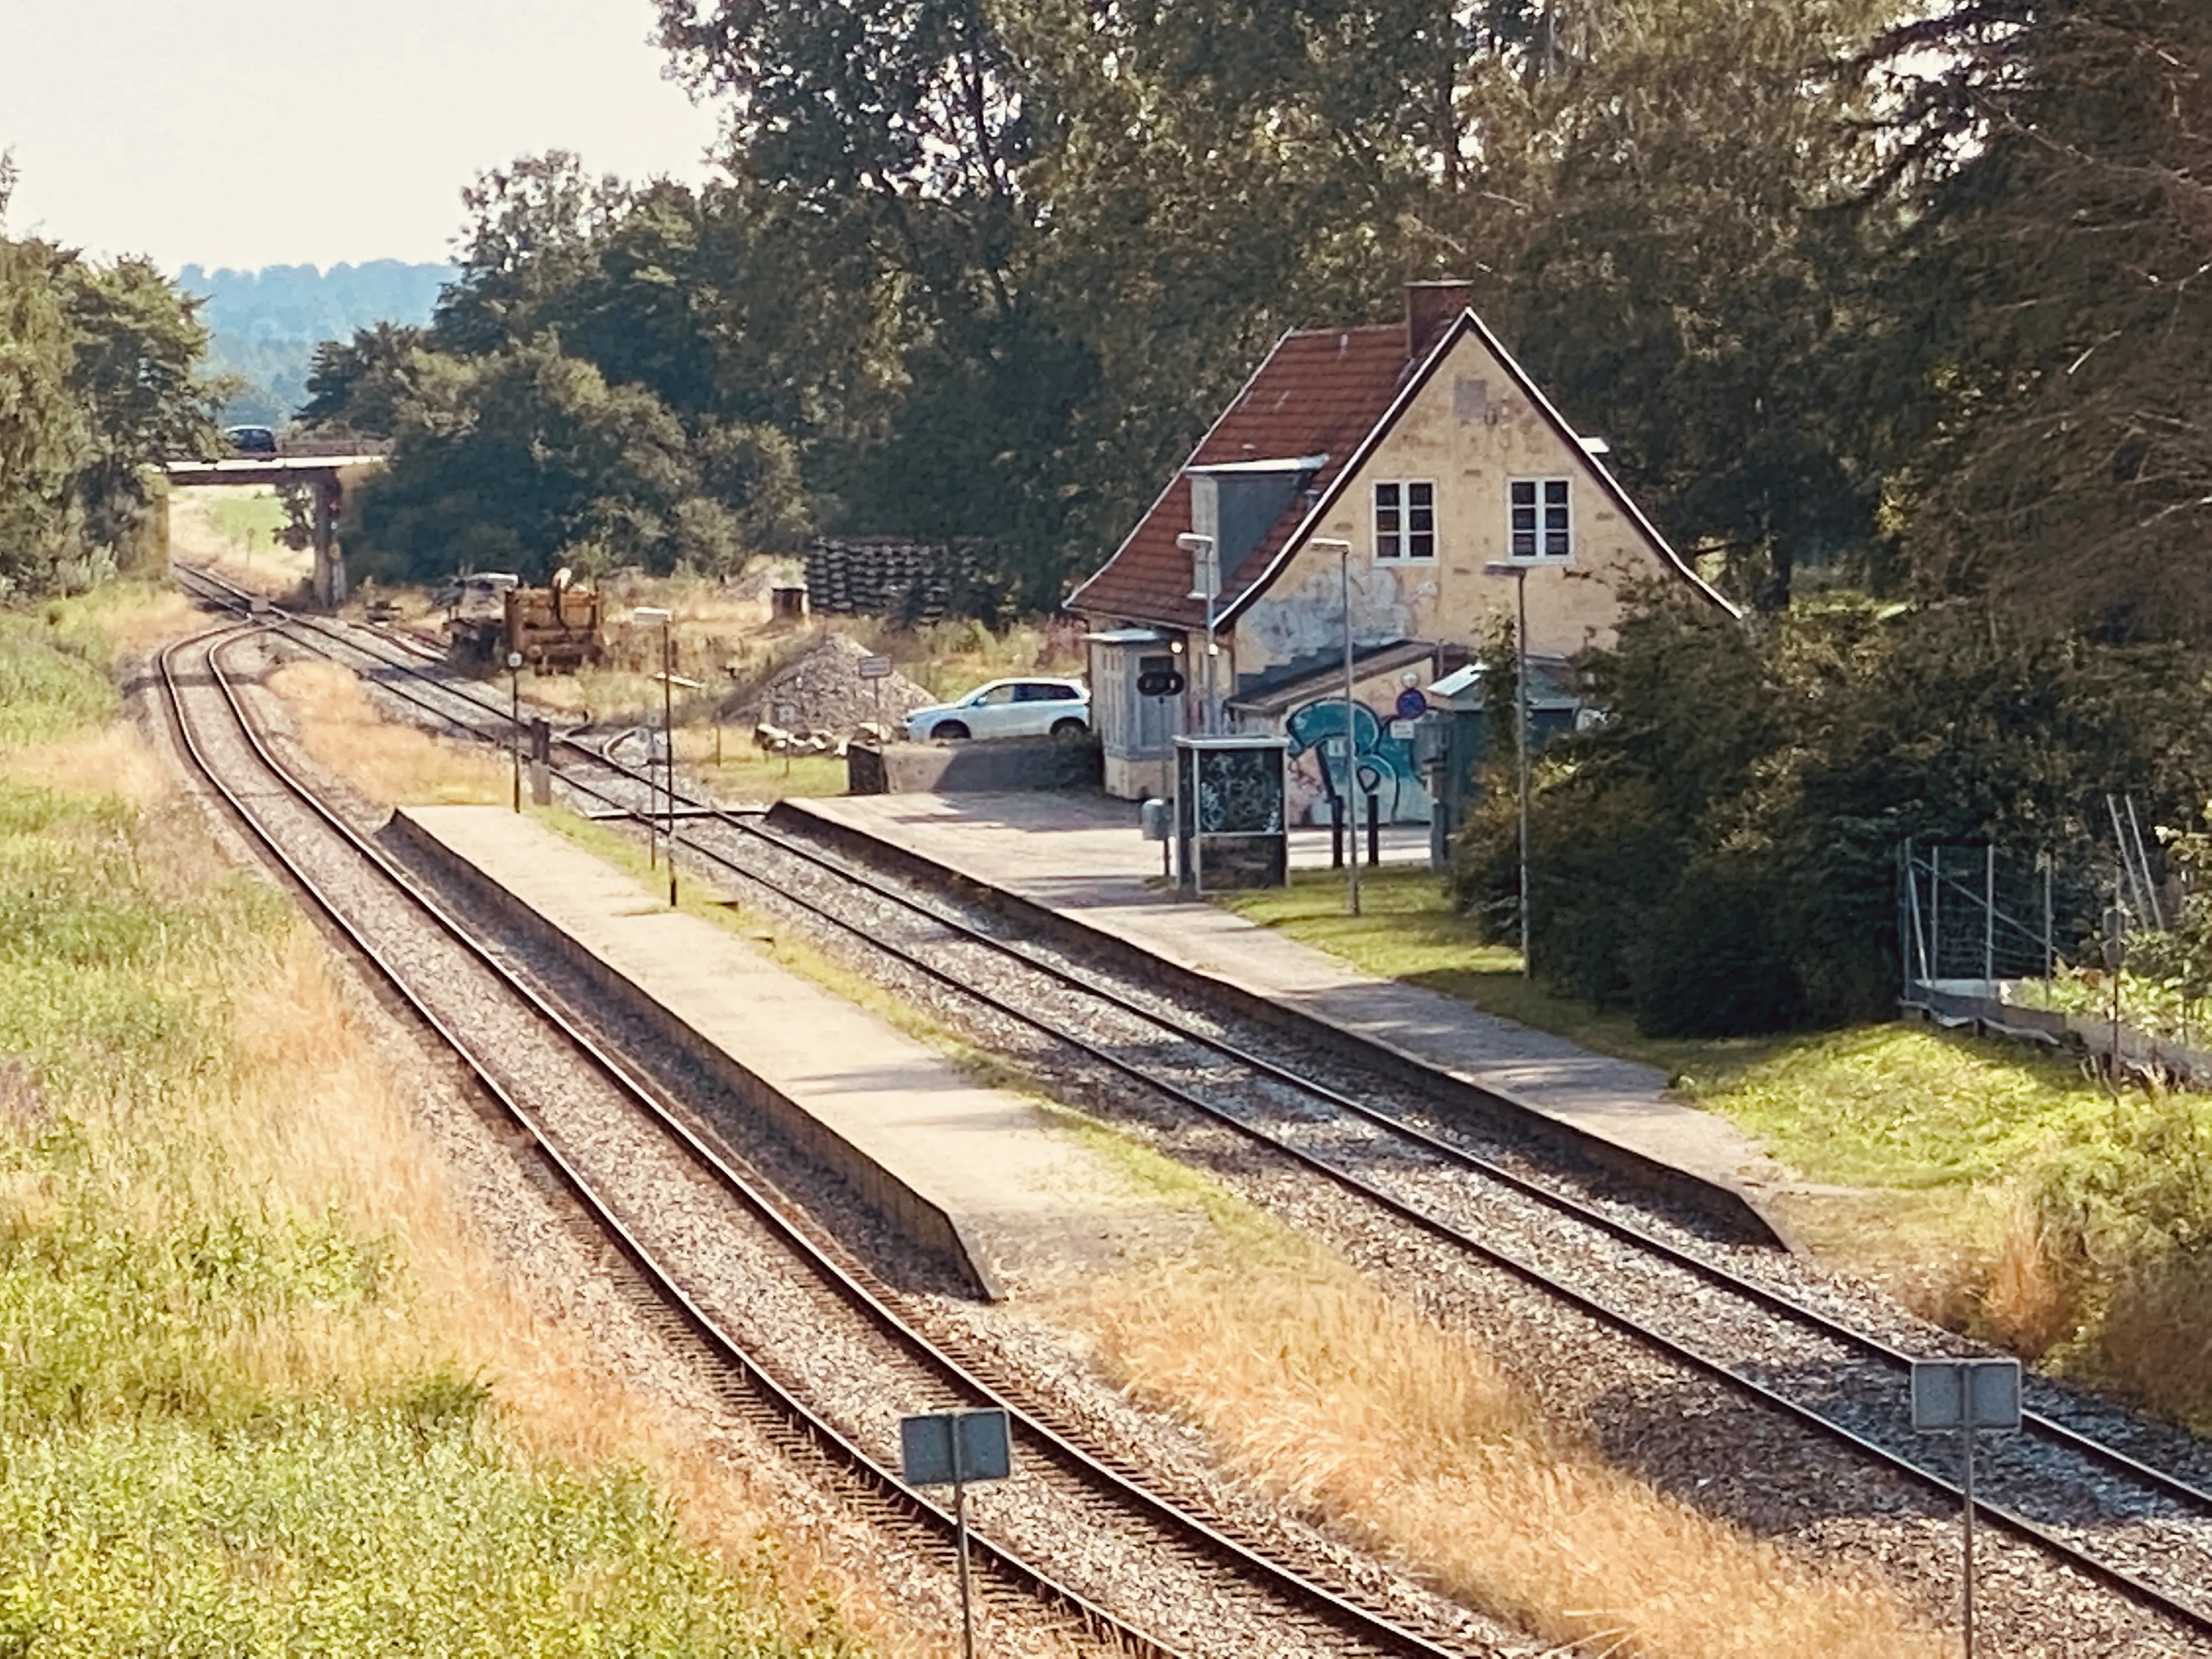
{"points": [[1412, 705]]}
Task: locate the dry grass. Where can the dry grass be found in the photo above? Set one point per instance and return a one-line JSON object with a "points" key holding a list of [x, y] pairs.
{"points": [[232, 531], [116, 757], [323, 1127], [391, 763], [307, 1117], [1411, 1438]]}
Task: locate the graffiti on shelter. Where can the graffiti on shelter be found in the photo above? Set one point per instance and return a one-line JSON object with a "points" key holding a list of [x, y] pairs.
{"points": [[1382, 765]]}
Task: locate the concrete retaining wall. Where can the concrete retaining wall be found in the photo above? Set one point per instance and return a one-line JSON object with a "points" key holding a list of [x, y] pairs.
{"points": [[913, 1217], [1972, 1002], [997, 766], [1725, 1207]]}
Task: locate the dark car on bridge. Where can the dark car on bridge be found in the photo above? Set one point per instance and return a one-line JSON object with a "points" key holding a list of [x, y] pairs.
{"points": [[252, 440]]}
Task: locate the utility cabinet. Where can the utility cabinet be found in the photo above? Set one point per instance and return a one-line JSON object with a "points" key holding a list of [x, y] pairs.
{"points": [[1231, 830]]}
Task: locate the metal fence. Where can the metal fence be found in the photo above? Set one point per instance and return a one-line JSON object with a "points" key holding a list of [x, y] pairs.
{"points": [[1982, 912]]}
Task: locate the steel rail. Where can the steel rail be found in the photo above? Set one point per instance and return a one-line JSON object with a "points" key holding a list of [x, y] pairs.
{"points": [[1362, 1624], [2006, 1518]]}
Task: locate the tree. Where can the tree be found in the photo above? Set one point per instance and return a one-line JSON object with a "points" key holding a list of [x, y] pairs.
{"points": [[99, 381], [1697, 288], [360, 386], [2057, 164], [138, 349]]}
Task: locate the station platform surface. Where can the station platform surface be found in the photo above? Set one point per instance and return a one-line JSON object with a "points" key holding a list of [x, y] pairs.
{"points": [[1023, 1198], [1085, 858]]}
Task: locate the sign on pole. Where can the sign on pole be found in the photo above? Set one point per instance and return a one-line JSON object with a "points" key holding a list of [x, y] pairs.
{"points": [[1965, 1396], [951, 1448], [877, 669]]}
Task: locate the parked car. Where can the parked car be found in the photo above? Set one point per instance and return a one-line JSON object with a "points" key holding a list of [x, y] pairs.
{"points": [[252, 440], [1007, 709]]}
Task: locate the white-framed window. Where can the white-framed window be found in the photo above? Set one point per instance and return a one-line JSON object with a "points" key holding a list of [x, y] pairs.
{"points": [[1540, 524], [1406, 519]]}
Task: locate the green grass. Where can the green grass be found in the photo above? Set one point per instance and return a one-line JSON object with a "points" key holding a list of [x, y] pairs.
{"points": [[748, 775], [1997, 1188], [253, 522], [187, 1462], [1892, 1105], [53, 675]]}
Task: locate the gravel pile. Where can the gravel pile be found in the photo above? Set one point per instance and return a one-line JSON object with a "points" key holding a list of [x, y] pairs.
{"points": [[823, 693]]}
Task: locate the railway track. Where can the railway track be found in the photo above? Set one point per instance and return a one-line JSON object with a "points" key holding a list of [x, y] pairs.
{"points": [[2141, 1530], [723, 1260]]}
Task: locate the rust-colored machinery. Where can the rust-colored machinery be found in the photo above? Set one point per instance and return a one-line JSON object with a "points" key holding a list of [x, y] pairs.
{"points": [[557, 629]]}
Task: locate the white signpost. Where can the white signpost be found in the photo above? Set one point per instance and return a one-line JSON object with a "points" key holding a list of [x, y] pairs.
{"points": [[951, 1448], [1965, 1396], [877, 669]]}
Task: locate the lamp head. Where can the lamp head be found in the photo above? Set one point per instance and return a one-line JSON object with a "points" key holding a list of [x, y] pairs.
{"points": [[513, 661]]}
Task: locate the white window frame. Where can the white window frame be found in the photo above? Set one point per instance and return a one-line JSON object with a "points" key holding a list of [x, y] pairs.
{"points": [[1395, 545], [1549, 527]]}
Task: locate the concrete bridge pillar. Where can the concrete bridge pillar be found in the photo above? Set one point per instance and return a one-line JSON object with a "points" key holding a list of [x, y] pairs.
{"points": [[330, 578]]}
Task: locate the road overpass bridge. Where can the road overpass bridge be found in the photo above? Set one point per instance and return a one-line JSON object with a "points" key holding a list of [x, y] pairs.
{"points": [[325, 475]]}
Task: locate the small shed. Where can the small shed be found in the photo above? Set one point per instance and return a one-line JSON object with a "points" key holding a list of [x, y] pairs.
{"points": [[1136, 681]]}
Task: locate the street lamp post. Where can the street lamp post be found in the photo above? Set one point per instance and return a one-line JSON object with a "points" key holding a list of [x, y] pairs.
{"points": [[1343, 551], [1206, 584], [514, 718], [649, 613], [1520, 574]]}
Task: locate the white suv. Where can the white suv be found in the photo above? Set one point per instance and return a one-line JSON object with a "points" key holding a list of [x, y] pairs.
{"points": [[1007, 709]]}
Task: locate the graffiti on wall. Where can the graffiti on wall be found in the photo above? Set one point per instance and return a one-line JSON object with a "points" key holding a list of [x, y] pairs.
{"points": [[1383, 765], [1292, 623]]}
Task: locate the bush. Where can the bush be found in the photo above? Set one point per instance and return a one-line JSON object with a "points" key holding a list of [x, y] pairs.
{"points": [[1712, 962], [1720, 856]]}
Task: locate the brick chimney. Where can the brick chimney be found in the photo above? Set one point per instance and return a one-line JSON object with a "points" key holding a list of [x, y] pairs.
{"points": [[1431, 309]]}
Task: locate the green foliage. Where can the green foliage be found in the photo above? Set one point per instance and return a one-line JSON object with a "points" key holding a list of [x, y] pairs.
{"points": [[1720, 854], [2055, 161], [1699, 292], [265, 325], [53, 678], [327, 1532], [99, 380]]}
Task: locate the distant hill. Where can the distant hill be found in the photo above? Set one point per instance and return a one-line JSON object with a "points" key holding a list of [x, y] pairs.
{"points": [[267, 323]]}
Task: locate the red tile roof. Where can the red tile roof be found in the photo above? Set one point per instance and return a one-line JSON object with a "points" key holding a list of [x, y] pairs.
{"points": [[1319, 392]]}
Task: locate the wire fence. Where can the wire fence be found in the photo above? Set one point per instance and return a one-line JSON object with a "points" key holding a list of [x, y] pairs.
{"points": [[1984, 912]]}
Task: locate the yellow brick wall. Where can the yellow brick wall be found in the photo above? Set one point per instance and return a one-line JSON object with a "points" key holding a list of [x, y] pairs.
{"points": [[1470, 431]]}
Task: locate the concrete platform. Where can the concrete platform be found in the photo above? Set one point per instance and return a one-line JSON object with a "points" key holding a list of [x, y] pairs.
{"points": [[1080, 867], [972, 1173]]}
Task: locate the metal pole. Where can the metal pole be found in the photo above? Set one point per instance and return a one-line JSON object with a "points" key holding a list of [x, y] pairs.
{"points": [[1905, 917], [960, 1529], [1212, 705], [1989, 913], [1935, 908], [1521, 710], [515, 720], [1350, 711], [668, 739], [2050, 956], [1966, 1435]]}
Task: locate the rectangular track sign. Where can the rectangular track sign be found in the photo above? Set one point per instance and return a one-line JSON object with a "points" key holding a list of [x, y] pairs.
{"points": [[946, 1446], [1952, 1394], [873, 668]]}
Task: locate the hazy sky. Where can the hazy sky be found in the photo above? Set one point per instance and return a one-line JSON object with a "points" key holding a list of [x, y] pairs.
{"points": [[307, 132]]}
